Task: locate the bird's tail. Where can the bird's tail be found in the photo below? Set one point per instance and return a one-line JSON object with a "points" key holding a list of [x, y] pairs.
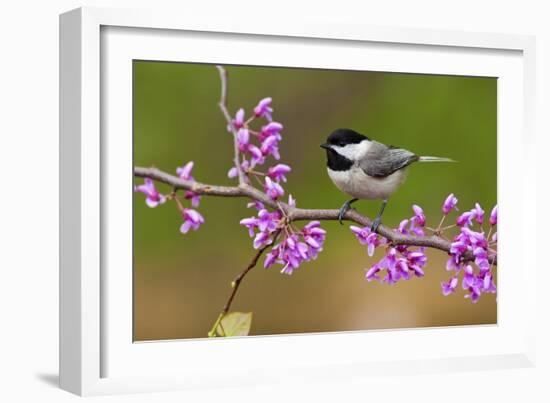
{"points": [[434, 159]]}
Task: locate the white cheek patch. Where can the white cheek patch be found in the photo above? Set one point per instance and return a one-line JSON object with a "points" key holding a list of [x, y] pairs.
{"points": [[353, 152]]}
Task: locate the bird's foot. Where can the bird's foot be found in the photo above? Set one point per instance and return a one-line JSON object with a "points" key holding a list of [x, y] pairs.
{"points": [[344, 209], [375, 224], [378, 218]]}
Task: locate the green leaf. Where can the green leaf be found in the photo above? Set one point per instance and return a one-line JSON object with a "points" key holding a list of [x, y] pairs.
{"points": [[235, 324]]}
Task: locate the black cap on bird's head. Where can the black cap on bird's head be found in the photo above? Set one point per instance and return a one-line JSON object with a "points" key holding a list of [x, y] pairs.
{"points": [[343, 137]]}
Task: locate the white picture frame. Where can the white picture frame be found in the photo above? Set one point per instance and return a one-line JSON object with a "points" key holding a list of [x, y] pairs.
{"points": [[97, 355]]}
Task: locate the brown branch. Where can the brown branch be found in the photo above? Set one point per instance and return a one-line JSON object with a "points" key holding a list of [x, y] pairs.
{"points": [[299, 214]]}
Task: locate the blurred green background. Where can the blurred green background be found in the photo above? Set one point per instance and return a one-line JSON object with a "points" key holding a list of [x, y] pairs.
{"points": [[181, 282]]}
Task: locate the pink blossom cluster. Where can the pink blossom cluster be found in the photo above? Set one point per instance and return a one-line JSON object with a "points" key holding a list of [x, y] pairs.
{"points": [[256, 145], [402, 262], [477, 278], [296, 245], [192, 219]]}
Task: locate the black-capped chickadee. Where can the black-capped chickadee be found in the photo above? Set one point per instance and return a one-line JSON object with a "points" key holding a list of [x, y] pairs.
{"points": [[367, 169]]}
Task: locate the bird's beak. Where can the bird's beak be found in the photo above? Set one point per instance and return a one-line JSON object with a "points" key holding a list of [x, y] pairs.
{"points": [[326, 146]]}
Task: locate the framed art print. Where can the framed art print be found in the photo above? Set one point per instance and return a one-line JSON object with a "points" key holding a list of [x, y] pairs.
{"points": [[257, 195], [173, 277]]}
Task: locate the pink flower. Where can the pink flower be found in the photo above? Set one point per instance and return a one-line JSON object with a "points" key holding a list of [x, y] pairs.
{"points": [[472, 283], [270, 146], [264, 109], [271, 257], [191, 220], [278, 172], [153, 197], [457, 249], [465, 219], [185, 174], [238, 122], [366, 237], [262, 239], [256, 204], [291, 201], [449, 204], [271, 129], [268, 221], [291, 261], [475, 293], [481, 259], [448, 288], [452, 264], [243, 138], [258, 157], [402, 228], [232, 173], [251, 223], [314, 236], [372, 273], [416, 261], [469, 279], [419, 216], [478, 213], [489, 284], [195, 198], [273, 189], [494, 216]]}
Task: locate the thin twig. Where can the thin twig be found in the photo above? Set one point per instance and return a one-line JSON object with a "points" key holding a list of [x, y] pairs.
{"points": [[223, 107], [237, 282]]}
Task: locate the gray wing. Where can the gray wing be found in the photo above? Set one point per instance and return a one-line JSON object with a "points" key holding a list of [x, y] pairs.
{"points": [[382, 160]]}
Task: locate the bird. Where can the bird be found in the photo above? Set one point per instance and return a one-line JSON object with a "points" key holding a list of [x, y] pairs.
{"points": [[366, 169]]}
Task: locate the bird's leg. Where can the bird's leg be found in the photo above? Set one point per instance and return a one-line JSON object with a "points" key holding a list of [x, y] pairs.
{"points": [[378, 218], [345, 207]]}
